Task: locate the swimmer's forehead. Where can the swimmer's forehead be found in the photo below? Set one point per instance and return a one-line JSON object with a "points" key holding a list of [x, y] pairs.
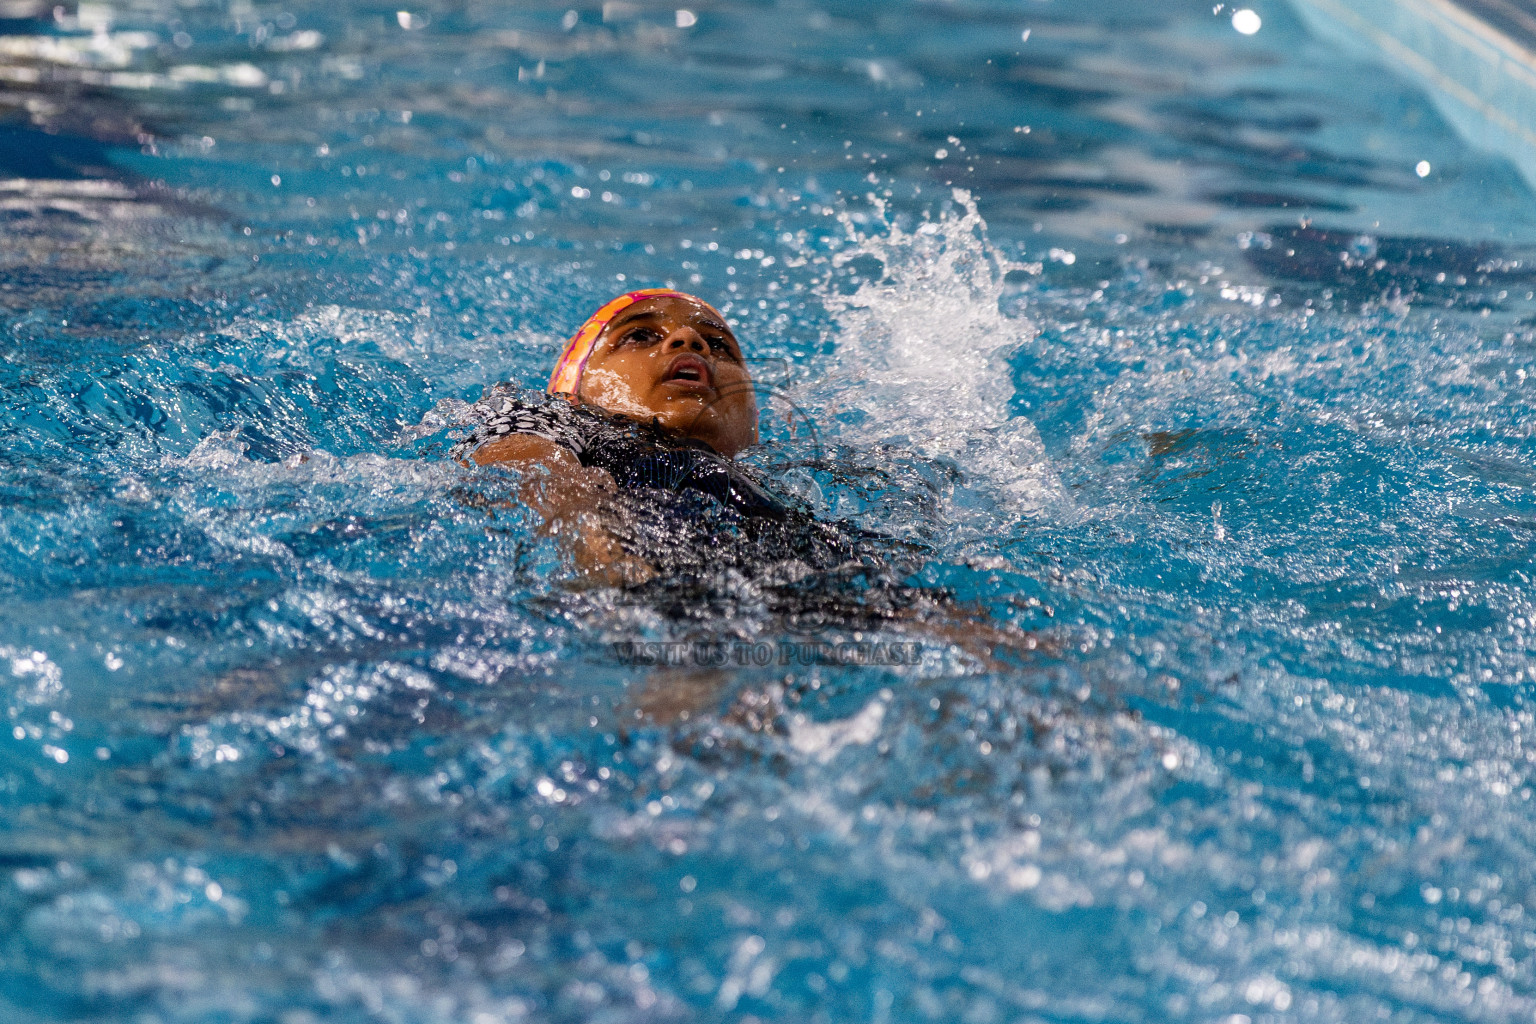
{"points": [[695, 311]]}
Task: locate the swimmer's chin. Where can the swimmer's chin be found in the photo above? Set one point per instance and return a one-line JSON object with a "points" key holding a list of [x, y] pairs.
{"points": [[686, 418]]}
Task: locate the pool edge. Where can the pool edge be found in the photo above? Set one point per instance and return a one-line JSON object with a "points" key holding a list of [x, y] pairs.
{"points": [[1482, 80]]}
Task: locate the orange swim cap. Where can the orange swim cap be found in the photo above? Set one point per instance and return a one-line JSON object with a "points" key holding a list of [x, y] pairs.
{"points": [[566, 380]]}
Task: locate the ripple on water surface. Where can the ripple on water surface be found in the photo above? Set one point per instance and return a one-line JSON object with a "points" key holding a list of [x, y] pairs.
{"points": [[1138, 337]]}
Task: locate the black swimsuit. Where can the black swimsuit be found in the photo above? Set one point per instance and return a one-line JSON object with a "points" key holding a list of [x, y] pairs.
{"points": [[697, 517], [637, 455]]}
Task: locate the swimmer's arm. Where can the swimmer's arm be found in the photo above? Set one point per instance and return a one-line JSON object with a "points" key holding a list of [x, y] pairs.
{"points": [[566, 494]]}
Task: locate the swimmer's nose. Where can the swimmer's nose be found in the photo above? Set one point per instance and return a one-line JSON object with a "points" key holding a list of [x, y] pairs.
{"points": [[686, 337]]}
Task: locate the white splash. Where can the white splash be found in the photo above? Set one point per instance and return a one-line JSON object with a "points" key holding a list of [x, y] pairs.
{"points": [[923, 352], [824, 740]]}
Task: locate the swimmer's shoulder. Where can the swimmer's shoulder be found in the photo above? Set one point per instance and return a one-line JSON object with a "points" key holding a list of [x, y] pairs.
{"points": [[523, 450], [510, 425]]}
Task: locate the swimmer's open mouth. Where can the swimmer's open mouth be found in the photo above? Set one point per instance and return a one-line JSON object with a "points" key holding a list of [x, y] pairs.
{"points": [[689, 371]]}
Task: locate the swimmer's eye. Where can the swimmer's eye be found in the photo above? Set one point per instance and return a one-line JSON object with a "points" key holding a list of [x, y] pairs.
{"points": [[642, 336], [719, 344]]}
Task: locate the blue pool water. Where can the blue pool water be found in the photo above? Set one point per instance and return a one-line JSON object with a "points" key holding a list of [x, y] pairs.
{"points": [[1152, 334]]}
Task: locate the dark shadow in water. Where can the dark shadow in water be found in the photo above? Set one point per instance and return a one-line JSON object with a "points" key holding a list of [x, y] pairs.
{"points": [[28, 152], [1358, 268]]}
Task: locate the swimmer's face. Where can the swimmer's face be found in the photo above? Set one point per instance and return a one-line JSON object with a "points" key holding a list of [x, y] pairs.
{"points": [[674, 360]]}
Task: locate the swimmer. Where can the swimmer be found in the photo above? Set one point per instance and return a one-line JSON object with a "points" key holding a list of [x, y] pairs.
{"points": [[629, 457], [652, 392]]}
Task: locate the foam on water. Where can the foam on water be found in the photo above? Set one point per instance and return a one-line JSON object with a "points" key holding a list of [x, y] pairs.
{"points": [[928, 347]]}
